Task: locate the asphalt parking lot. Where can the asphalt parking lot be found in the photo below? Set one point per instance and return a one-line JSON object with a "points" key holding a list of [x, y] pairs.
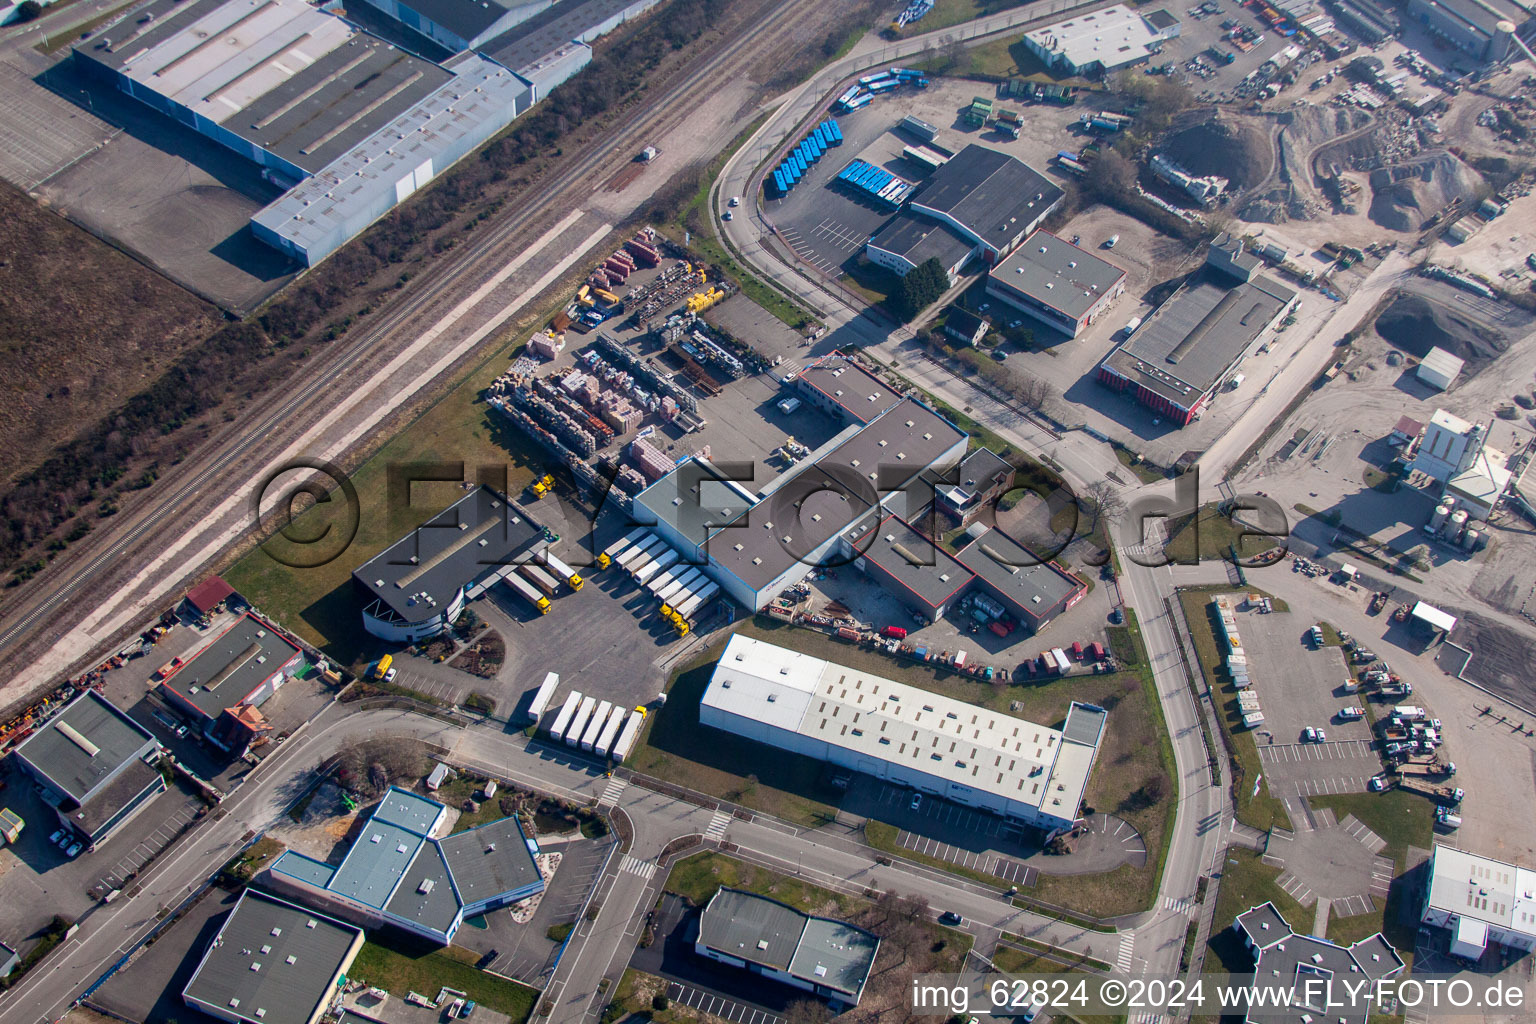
{"points": [[40, 131], [826, 224], [1300, 685], [525, 951], [149, 989]]}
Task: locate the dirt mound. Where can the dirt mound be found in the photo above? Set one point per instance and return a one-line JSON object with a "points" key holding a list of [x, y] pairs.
{"points": [[1417, 324], [1276, 206], [1239, 152], [1404, 196]]}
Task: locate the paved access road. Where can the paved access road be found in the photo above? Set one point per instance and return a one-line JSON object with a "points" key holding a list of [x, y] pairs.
{"points": [[627, 888]]}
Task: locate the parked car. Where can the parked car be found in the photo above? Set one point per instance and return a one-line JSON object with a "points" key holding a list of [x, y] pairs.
{"points": [[951, 918], [57, 835], [389, 676], [917, 801], [1309, 735], [1351, 713], [1322, 737], [74, 850], [1378, 783]]}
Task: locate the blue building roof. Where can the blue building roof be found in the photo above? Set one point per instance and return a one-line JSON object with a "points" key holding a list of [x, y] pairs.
{"points": [[376, 862], [305, 869], [409, 811]]}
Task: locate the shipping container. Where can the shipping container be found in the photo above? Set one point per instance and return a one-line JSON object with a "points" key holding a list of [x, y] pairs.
{"points": [[542, 697], [594, 728], [605, 296], [610, 732], [579, 721], [567, 713], [1063, 663], [539, 578], [525, 590], [627, 737]]}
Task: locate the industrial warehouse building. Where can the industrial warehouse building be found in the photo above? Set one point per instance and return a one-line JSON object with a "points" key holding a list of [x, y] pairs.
{"points": [[349, 123], [844, 390], [1481, 29], [919, 573], [419, 585], [755, 545], [273, 962], [1034, 589], [1057, 283], [94, 766], [220, 686], [1195, 341], [1304, 965], [829, 958], [398, 873], [905, 735], [1456, 453], [1480, 901], [1102, 41], [986, 200]]}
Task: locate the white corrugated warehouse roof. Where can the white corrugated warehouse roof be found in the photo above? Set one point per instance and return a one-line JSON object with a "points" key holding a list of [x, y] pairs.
{"points": [[1440, 368], [1483, 889], [885, 720]]}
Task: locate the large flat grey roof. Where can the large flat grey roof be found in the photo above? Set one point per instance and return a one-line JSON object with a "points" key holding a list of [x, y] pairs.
{"points": [[81, 746], [464, 18], [236, 662], [859, 393], [530, 41], [988, 192], [1190, 341], [927, 571], [272, 962], [696, 498], [489, 861], [764, 931], [420, 574], [284, 76], [1013, 570], [1055, 273], [919, 239], [425, 893], [826, 497]]}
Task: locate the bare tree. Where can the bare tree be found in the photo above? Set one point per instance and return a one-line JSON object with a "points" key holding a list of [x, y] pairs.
{"points": [[1102, 504], [807, 1011]]}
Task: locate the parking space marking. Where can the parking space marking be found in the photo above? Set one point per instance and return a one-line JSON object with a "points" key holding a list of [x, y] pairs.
{"points": [[1296, 889], [719, 1006]]}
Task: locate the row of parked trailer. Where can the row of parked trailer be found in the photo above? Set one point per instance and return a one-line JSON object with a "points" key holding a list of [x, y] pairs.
{"points": [[602, 728], [683, 589], [806, 155], [875, 182], [539, 579]]}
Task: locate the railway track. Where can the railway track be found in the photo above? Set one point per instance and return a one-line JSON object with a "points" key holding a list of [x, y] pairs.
{"points": [[206, 479]]}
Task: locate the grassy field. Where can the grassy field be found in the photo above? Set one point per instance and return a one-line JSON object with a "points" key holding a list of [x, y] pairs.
{"points": [[1264, 809], [319, 603], [403, 968], [1209, 536], [696, 878], [65, 293], [1247, 882]]}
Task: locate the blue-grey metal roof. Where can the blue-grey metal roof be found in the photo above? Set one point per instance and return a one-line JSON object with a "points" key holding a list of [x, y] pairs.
{"points": [[408, 810], [273, 962], [919, 239], [834, 954], [85, 745], [305, 869], [373, 867], [1020, 575], [530, 41], [819, 950]]}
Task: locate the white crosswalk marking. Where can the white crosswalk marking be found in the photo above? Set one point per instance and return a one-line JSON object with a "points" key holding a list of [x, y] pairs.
{"points": [[636, 866], [1127, 946], [717, 826], [612, 791], [1177, 904]]}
